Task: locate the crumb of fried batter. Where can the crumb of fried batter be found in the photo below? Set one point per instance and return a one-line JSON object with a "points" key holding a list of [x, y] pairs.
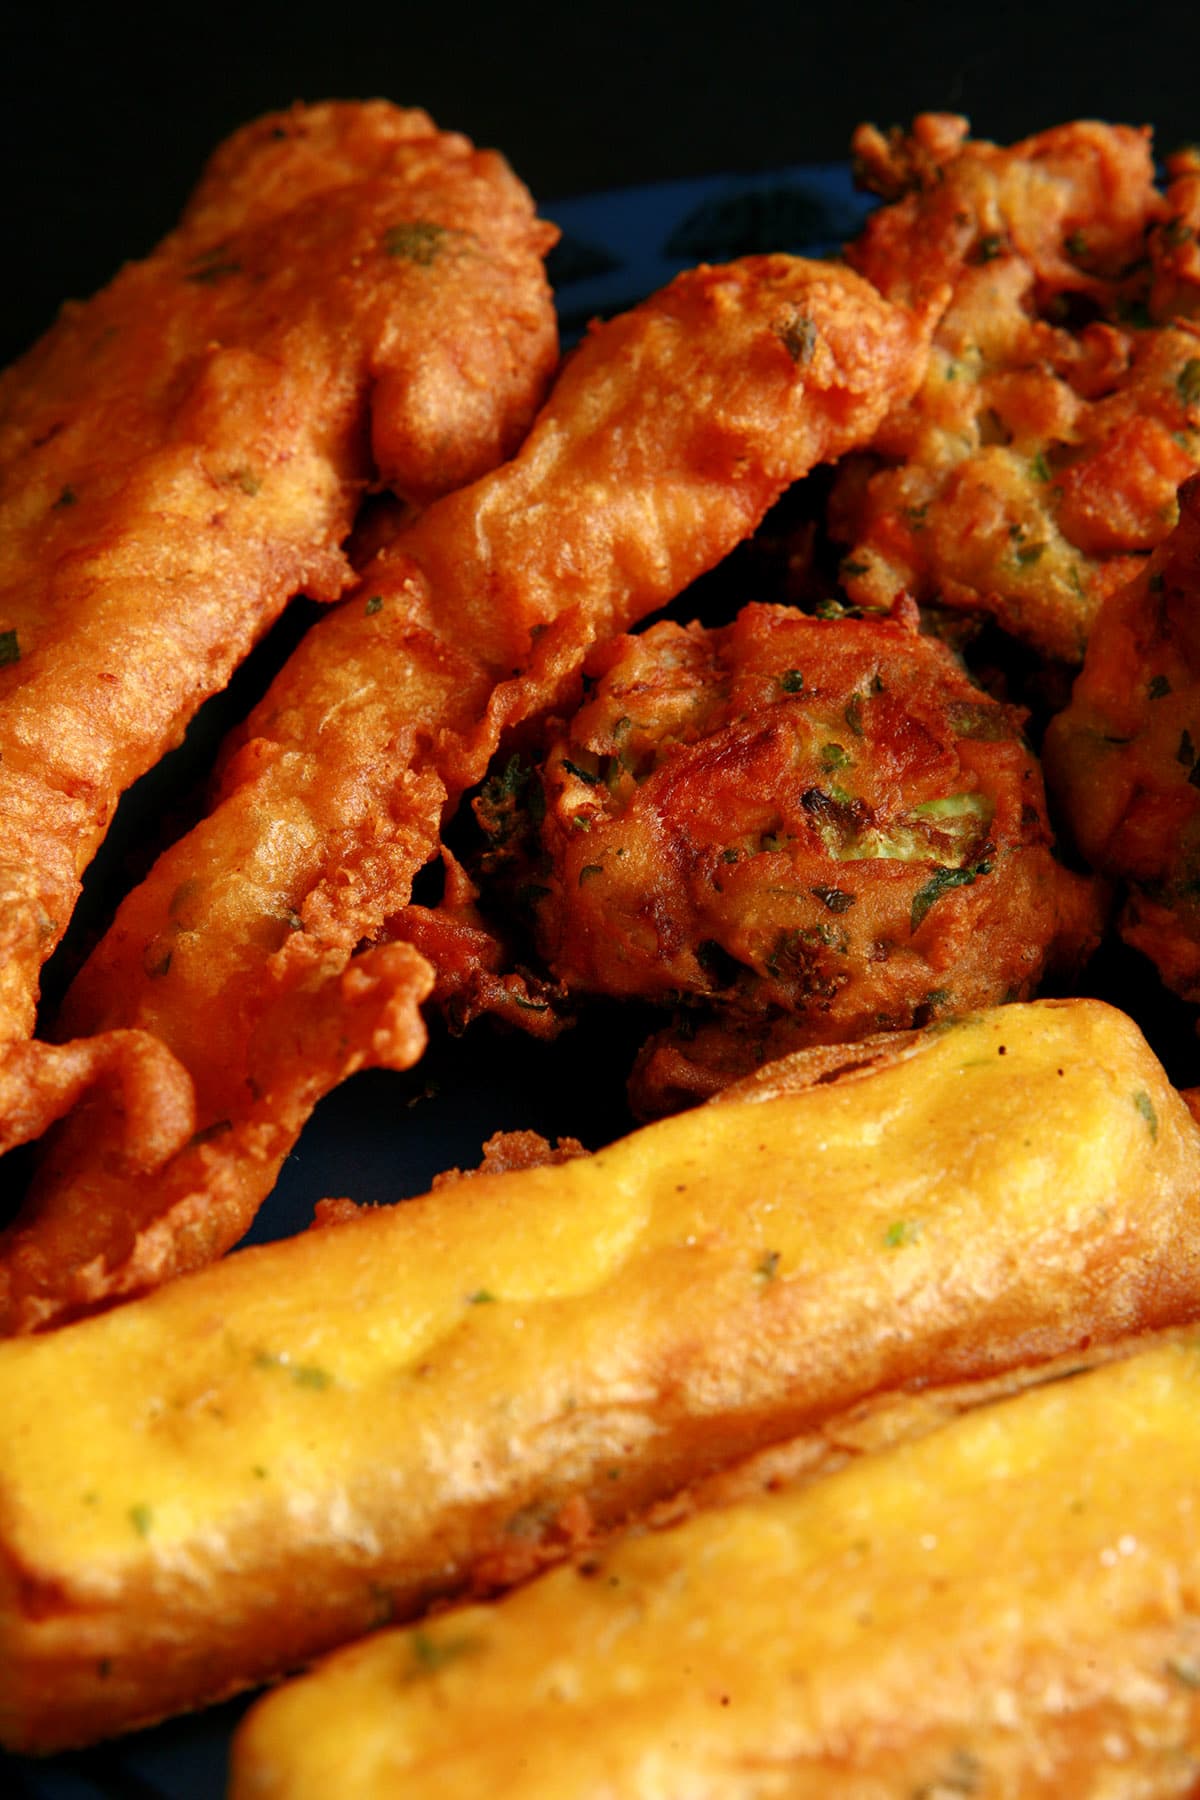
{"points": [[508, 1150]]}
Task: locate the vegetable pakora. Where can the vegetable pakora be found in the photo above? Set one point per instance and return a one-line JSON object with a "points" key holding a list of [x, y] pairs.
{"points": [[1124, 758], [809, 829], [1038, 463]]}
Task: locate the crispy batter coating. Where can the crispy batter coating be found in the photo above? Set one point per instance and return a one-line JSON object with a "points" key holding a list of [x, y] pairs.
{"points": [[351, 297], [1006, 1607], [666, 438], [271, 1456], [1124, 758], [814, 828], [1038, 463]]}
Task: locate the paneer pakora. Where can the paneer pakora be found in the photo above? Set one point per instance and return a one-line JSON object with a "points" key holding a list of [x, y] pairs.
{"points": [[277, 1453], [1004, 1607]]}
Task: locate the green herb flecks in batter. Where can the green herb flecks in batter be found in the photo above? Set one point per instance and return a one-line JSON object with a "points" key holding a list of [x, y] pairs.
{"points": [[419, 241], [1187, 382], [939, 883], [431, 1654], [1145, 1106], [798, 335]]}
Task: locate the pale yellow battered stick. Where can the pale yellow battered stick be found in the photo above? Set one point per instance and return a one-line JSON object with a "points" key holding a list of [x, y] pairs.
{"points": [[1009, 1607], [352, 298], [214, 1483], [665, 439]]}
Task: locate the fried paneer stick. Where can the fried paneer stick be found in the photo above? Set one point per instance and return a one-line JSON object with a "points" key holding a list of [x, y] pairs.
{"points": [[805, 829], [1004, 1607], [274, 1454], [351, 298], [666, 438], [1038, 463], [1124, 758]]}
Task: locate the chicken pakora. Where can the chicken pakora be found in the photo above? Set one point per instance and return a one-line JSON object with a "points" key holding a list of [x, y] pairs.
{"points": [[351, 298]]}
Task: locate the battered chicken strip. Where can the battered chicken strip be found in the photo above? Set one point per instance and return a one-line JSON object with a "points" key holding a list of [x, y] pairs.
{"points": [[804, 829], [1037, 465], [1005, 1608], [1124, 758], [667, 437], [351, 298], [272, 1455]]}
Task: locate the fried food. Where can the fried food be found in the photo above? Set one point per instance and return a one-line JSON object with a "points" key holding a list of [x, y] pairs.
{"points": [[1007, 1606], [1037, 465], [271, 1456], [808, 829], [350, 298], [666, 438], [1123, 759]]}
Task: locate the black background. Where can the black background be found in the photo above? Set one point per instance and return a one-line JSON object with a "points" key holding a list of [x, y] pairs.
{"points": [[107, 115]]}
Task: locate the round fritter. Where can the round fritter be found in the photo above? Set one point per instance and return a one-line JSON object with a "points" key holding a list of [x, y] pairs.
{"points": [[1124, 758], [1037, 466], [816, 821]]}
